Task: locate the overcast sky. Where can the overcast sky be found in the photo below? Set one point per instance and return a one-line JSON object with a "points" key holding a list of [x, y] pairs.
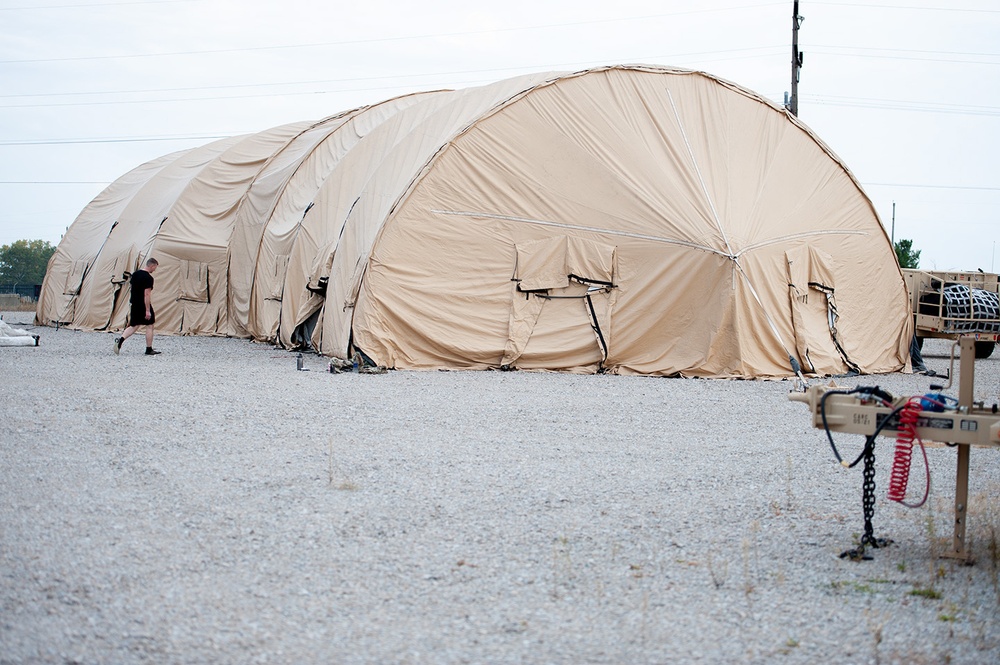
{"points": [[906, 92]]}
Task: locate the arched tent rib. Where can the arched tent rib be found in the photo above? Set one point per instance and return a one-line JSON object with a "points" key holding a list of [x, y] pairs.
{"points": [[341, 167], [192, 245], [402, 151], [256, 209], [106, 288], [273, 209], [68, 268]]}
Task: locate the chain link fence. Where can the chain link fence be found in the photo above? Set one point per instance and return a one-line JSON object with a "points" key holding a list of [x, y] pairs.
{"points": [[32, 291], [19, 297]]}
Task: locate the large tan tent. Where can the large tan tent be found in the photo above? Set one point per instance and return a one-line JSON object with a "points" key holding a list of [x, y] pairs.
{"points": [[629, 219]]}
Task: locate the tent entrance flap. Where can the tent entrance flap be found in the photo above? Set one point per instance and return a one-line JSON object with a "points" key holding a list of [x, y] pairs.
{"points": [[811, 294], [556, 269], [194, 281], [74, 278], [71, 291], [120, 273], [278, 278], [306, 319]]}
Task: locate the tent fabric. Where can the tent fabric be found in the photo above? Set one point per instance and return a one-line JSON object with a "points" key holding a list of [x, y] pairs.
{"points": [[627, 219]]}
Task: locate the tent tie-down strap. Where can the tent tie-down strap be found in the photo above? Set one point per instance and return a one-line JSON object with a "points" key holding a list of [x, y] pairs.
{"points": [[597, 330], [546, 296], [588, 280], [833, 316]]}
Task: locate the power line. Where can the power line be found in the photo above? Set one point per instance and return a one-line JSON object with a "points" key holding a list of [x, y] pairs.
{"points": [[253, 85], [932, 9], [903, 57], [97, 4], [821, 100], [458, 72], [897, 105], [107, 182], [727, 54], [900, 50], [532, 68], [126, 139], [209, 99], [893, 105], [897, 184], [392, 39]]}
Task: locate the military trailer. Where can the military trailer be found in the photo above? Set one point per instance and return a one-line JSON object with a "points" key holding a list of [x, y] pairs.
{"points": [[952, 304]]}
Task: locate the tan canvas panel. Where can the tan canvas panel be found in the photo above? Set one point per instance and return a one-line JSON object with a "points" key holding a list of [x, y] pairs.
{"points": [[338, 135], [541, 264], [254, 213], [278, 278], [542, 278], [590, 262]]}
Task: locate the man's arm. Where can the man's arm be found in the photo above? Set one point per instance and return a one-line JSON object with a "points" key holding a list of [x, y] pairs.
{"points": [[148, 298]]}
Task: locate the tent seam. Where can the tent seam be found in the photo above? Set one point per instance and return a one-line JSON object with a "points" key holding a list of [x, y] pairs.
{"points": [[580, 227]]}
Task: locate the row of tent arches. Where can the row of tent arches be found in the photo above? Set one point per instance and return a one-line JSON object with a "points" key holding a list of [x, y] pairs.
{"points": [[632, 219]]}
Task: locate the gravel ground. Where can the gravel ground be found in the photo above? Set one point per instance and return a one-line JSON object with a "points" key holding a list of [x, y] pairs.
{"points": [[214, 505]]}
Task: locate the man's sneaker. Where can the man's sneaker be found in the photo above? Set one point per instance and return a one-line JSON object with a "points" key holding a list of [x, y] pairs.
{"points": [[118, 344], [151, 352]]}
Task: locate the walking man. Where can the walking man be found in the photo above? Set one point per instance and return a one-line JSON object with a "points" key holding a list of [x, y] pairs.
{"points": [[142, 307]]}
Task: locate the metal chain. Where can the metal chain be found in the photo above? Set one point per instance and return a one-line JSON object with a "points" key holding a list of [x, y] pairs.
{"points": [[868, 494], [868, 505]]}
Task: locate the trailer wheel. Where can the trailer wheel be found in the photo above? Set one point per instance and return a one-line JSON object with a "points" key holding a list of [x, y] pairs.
{"points": [[984, 349]]}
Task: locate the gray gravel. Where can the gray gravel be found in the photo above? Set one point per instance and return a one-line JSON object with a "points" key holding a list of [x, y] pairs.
{"points": [[213, 505]]}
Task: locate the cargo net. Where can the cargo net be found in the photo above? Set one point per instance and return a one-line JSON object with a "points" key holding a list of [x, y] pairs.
{"points": [[971, 310]]}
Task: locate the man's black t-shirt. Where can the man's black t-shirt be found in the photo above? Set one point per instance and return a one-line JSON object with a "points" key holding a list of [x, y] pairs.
{"points": [[141, 280]]}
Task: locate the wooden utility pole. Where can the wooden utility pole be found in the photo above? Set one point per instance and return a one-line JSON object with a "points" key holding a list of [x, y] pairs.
{"points": [[793, 102], [892, 237]]}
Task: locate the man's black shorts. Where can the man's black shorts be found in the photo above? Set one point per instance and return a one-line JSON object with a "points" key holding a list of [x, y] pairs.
{"points": [[138, 316]]}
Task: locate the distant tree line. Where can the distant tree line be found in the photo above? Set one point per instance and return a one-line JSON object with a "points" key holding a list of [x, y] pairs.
{"points": [[23, 264]]}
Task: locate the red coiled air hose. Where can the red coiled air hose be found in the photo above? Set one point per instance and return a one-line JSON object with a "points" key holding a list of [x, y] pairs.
{"points": [[906, 435]]}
